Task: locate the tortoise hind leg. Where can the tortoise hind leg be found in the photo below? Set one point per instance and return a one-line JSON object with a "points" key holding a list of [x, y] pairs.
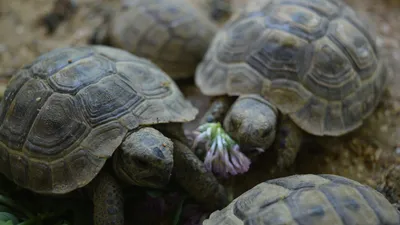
{"points": [[108, 200]]}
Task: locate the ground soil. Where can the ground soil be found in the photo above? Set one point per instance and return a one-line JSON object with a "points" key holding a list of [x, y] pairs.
{"points": [[362, 155]]}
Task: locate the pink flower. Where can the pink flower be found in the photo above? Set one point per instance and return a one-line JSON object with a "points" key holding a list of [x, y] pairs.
{"points": [[223, 156]]}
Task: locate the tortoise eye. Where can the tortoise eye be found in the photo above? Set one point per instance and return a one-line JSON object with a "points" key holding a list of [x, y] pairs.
{"points": [[234, 123], [141, 163], [266, 132]]}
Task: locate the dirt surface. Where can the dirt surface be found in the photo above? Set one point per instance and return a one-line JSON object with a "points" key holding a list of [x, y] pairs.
{"points": [[362, 155]]}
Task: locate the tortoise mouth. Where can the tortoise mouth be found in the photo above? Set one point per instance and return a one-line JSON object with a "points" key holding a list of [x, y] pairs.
{"points": [[142, 175], [146, 179]]}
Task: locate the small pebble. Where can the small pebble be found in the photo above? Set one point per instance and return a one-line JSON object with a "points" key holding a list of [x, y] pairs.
{"points": [[398, 150], [386, 28], [3, 48], [19, 29]]}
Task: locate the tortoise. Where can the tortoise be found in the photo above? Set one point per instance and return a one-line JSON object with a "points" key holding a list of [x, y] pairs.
{"points": [[72, 109], [292, 68], [173, 34], [308, 199]]}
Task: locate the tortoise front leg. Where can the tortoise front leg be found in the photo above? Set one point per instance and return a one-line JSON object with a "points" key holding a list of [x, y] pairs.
{"points": [[108, 200], [217, 110], [287, 143], [192, 175]]}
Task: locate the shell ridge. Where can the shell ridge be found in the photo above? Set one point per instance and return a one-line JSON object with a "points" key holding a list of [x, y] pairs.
{"points": [[372, 204], [331, 199], [36, 74]]}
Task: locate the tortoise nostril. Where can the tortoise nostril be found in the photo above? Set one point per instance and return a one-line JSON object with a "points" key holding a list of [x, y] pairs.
{"points": [[157, 152]]}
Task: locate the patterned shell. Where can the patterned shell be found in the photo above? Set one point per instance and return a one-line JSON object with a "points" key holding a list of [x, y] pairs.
{"points": [[172, 33], [308, 200], [314, 59], [66, 113]]}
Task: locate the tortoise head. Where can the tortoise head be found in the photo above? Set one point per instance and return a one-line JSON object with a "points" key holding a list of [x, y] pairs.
{"points": [[252, 121], [145, 159]]}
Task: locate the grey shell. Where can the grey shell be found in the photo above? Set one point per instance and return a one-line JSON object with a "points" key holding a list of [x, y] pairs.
{"points": [[308, 200], [66, 113], [171, 33], [315, 60]]}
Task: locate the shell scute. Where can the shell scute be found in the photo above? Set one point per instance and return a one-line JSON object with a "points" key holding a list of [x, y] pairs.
{"points": [[57, 127], [22, 111], [301, 21], [80, 74], [107, 100], [50, 63], [40, 175]]}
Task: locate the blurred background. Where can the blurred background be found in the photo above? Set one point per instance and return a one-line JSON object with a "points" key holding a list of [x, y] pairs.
{"points": [[29, 28]]}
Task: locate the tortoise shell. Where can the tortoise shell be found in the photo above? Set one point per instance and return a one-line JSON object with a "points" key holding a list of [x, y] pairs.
{"points": [[308, 200], [315, 60], [66, 113], [171, 33]]}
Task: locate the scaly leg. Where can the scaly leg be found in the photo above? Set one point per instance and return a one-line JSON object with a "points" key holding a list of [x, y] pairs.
{"points": [[108, 200], [288, 141]]}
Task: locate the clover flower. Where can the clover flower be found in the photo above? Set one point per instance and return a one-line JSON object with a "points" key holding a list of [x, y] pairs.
{"points": [[223, 155]]}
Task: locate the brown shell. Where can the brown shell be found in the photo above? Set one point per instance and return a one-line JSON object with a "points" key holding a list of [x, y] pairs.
{"points": [[66, 113], [171, 33], [315, 60], [308, 200]]}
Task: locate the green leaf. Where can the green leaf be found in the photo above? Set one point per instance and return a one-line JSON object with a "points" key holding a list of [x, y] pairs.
{"points": [[10, 222], [154, 193], [4, 200], [5, 216], [63, 222], [178, 212]]}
